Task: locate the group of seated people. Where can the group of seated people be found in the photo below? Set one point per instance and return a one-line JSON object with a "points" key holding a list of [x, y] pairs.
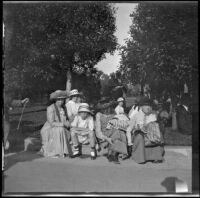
{"points": [[71, 123]]}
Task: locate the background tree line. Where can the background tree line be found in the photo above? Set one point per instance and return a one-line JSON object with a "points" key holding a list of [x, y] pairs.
{"points": [[162, 49]]}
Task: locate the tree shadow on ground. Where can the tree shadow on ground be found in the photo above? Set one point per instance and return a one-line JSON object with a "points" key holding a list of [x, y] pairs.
{"points": [[169, 184], [173, 185]]}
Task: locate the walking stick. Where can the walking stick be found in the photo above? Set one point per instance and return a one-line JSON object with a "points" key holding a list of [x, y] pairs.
{"points": [[21, 116]]}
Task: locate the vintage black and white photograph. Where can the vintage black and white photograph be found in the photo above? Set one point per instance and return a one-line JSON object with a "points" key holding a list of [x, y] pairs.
{"points": [[100, 98]]}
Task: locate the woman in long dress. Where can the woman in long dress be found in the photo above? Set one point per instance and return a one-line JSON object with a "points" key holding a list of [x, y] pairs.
{"points": [[54, 132], [145, 140]]}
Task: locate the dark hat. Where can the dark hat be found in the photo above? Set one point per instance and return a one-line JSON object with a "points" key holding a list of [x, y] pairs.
{"points": [[104, 99], [145, 101]]}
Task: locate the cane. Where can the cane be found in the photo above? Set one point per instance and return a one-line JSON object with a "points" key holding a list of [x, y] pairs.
{"points": [[21, 116]]}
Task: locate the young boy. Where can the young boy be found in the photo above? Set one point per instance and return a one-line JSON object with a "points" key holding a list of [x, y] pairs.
{"points": [[119, 109], [82, 130]]}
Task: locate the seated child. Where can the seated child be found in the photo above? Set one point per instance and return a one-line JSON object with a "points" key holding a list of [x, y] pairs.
{"points": [[82, 130]]}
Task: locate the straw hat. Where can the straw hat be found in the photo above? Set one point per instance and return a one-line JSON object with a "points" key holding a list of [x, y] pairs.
{"points": [[84, 107], [74, 92], [120, 100], [59, 94]]}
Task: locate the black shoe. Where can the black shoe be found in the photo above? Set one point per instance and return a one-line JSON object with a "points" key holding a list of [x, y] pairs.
{"points": [[93, 157], [75, 155], [125, 157], [142, 163], [129, 149], [115, 158], [110, 158]]}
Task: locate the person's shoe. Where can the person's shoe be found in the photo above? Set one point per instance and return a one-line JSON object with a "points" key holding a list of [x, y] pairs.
{"points": [[115, 158], [93, 155], [124, 157], [110, 158], [75, 154], [129, 149], [142, 163]]}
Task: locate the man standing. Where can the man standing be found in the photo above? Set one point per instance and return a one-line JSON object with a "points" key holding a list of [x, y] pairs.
{"points": [[184, 117]]}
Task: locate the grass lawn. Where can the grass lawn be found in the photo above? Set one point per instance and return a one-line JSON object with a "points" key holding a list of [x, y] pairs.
{"points": [[34, 118]]}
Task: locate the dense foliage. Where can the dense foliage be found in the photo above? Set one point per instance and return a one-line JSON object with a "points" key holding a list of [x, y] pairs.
{"points": [[48, 42], [162, 49]]}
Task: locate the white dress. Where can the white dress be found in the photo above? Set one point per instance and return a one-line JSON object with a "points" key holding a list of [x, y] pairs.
{"points": [[119, 110], [71, 108]]}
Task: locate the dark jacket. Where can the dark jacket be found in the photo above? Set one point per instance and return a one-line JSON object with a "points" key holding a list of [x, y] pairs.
{"points": [[184, 120]]}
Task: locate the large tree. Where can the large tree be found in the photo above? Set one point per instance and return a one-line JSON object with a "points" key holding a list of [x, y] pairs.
{"points": [[162, 49], [162, 45], [45, 41]]}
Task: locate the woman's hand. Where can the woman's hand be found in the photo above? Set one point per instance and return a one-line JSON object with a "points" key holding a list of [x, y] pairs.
{"points": [[67, 124], [26, 100], [59, 124]]}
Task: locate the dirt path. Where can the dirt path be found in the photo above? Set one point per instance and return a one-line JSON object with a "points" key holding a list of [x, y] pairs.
{"points": [[28, 172]]}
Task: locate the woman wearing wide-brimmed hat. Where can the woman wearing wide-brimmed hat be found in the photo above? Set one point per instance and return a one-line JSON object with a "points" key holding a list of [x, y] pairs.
{"points": [[54, 131], [82, 131], [145, 141]]}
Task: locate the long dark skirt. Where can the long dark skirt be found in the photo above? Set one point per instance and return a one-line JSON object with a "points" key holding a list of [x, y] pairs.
{"points": [[142, 153], [119, 140]]}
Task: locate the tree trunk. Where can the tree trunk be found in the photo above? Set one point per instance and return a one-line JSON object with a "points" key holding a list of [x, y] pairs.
{"points": [[142, 89], [185, 88], [174, 121], [69, 80], [173, 113], [124, 94]]}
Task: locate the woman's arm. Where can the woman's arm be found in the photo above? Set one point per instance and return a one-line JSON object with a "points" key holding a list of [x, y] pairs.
{"points": [[81, 131], [98, 130]]}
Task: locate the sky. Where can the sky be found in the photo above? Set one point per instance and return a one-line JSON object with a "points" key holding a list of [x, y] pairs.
{"points": [[123, 22]]}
